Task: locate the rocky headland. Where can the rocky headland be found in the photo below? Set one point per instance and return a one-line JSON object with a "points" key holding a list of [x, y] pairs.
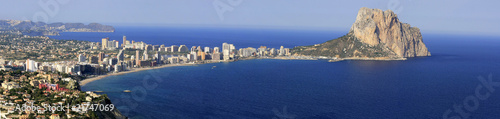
{"points": [[375, 35]]}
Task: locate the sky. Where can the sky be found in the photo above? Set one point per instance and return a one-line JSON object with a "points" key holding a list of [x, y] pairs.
{"points": [[479, 17]]}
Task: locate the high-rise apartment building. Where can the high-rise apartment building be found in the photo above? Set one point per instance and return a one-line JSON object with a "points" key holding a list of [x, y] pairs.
{"points": [[81, 58], [101, 56], [31, 65], [226, 50], [105, 43], [137, 61], [120, 56], [125, 41]]}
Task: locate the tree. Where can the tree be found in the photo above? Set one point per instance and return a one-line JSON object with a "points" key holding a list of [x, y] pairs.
{"points": [[31, 116], [28, 91], [64, 75], [93, 115], [18, 72]]}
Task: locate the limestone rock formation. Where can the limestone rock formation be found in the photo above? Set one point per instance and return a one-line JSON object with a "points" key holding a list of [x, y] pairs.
{"points": [[374, 27], [374, 34]]}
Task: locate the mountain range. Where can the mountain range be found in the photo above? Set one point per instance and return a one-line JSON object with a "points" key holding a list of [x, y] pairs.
{"points": [[41, 28]]}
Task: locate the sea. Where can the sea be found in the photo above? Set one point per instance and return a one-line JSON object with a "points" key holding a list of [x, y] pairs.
{"points": [[458, 80]]}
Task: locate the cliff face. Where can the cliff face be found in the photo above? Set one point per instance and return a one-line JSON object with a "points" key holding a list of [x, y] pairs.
{"points": [[374, 27], [375, 34]]}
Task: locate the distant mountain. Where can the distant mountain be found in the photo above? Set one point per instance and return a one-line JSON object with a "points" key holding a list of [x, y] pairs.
{"points": [[42, 28], [375, 34]]}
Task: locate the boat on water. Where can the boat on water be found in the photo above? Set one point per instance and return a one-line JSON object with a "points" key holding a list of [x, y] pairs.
{"points": [[127, 91], [213, 67]]}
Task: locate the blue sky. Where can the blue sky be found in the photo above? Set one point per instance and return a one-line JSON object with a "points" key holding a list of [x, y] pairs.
{"points": [[431, 16]]}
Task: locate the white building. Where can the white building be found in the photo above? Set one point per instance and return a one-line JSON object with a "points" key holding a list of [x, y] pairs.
{"points": [[61, 68], [281, 51], [174, 48], [287, 51], [216, 50], [183, 48], [135, 45], [194, 56], [189, 57], [117, 44], [226, 50], [31, 65], [145, 57], [125, 41], [173, 60], [69, 70], [120, 56], [66, 79], [272, 52], [247, 52], [118, 68], [10, 85], [105, 43], [81, 58], [193, 49], [207, 50]]}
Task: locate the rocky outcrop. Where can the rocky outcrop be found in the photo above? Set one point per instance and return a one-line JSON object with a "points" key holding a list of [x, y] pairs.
{"points": [[375, 34], [114, 114], [374, 27]]}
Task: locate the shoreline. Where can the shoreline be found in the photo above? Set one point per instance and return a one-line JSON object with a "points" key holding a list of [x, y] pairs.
{"points": [[367, 59], [88, 80]]}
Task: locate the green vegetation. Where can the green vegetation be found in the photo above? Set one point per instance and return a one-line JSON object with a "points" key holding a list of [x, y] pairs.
{"points": [[345, 46], [43, 96], [16, 46]]}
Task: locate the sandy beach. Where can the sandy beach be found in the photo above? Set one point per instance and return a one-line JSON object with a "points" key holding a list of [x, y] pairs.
{"points": [[88, 80]]}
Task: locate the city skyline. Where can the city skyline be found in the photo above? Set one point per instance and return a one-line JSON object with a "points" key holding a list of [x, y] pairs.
{"points": [[430, 16]]}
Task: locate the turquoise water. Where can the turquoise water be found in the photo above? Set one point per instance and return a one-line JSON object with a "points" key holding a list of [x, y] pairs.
{"points": [[423, 87]]}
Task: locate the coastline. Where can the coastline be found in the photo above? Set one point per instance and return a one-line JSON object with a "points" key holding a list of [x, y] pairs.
{"points": [[365, 58], [88, 80]]}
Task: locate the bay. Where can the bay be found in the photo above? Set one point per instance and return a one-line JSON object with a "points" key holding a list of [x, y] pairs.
{"points": [[422, 87]]}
